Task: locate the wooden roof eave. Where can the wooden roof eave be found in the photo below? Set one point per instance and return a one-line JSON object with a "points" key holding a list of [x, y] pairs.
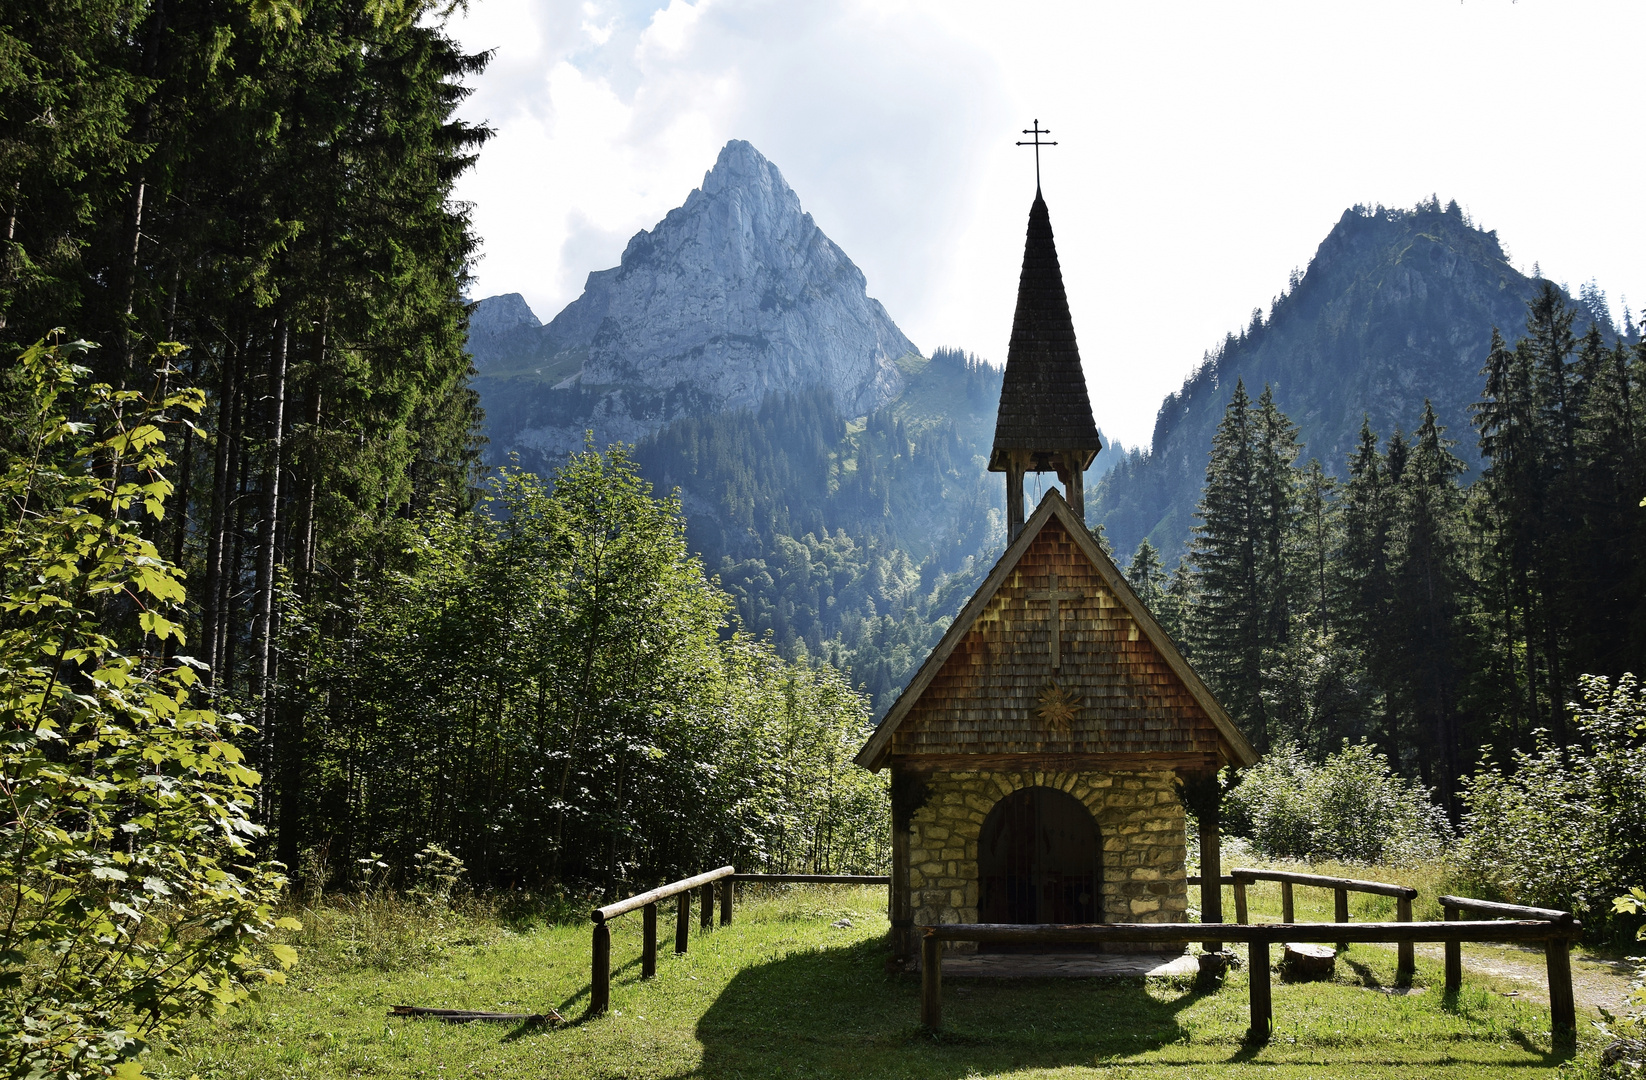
{"points": [[1232, 746]]}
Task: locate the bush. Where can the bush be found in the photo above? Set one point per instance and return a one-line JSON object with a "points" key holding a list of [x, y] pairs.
{"points": [[436, 875], [130, 893], [1567, 828], [1352, 808]]}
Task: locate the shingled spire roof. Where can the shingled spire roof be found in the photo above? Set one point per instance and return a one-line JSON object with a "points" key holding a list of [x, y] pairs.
{"points": [[1043, 404]]}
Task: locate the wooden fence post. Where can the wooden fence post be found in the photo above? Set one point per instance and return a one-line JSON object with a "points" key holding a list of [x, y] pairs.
{"points": [[1240, 901], [1262, 1009], [1406, 964], [683, 922], [1341, 914], [726, 885], [648, 948], [1454, 957], [931, 982], [1562, 1006], [1287, 911], [706, 917], [600, 977]]}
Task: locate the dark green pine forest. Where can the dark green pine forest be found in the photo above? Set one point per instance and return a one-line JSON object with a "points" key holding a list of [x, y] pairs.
{"points": [[853, 542], [254, 201], [1397, 603]]}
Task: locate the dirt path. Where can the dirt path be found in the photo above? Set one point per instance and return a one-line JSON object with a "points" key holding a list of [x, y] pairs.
{"points": [[1596, 981]]}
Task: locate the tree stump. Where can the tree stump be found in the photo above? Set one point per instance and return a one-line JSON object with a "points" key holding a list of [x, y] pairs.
{"points": [[1303, 962]]}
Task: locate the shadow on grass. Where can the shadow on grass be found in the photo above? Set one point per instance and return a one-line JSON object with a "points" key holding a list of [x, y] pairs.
{"points": [[836, 1012]]}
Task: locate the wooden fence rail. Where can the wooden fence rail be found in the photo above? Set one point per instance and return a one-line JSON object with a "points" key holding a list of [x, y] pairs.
{"points": [[600, 976], [1557, 957], [1406, 958], [1556, 934]]}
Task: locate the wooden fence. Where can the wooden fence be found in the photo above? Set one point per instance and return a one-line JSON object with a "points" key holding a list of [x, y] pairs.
{"points": [[1557, 934], [1502, 923], [600, 981], [1239, 879]]}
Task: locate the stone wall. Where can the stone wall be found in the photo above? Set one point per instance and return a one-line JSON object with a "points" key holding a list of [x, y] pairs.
{"points": [[1139, 818]]}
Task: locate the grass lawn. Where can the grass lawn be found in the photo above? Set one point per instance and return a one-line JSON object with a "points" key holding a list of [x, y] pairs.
{"points": [[783, 992]]}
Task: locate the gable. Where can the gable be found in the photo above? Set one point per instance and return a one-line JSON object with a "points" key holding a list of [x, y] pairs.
{"points": [[1111, 682]]}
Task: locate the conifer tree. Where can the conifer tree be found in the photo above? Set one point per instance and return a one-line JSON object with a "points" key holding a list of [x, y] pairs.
{"points": [[1318, 533], [1227, 629], [1427, 618], [1147, 576]]}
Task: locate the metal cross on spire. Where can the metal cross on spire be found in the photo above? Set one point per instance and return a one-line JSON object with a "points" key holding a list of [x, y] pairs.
{"points": [[1036, 131]]}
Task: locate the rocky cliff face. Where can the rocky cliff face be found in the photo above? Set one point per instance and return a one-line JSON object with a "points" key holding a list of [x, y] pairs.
{"points": [[503, 327], [734, 296]]}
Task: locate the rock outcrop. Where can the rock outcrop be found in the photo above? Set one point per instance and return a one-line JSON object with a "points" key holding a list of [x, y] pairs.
{"points": [[503, 327], [734, 296]]}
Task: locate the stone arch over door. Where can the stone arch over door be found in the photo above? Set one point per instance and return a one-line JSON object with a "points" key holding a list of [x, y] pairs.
{"points": [[1040, 860], [1139, 814]]}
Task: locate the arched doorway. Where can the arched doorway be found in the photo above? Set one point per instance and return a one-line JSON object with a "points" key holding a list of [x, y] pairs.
{"points": [[1040, 859]]}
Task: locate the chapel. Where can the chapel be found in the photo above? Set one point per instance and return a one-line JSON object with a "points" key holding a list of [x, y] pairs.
{"points": [[1045, 754]]}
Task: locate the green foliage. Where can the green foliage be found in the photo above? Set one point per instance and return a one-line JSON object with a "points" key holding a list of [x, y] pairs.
{"points": [[132, 894], [436, 876], [553, 692], [1351, 807], [1567, 828], [270, 183], [854, 542]]}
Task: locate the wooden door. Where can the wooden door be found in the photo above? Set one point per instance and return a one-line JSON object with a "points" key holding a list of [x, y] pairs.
{"points": [[1040, 860]]}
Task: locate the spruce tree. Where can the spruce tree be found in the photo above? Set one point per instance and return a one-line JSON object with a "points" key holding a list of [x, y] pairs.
{"points": [[1427, 626], [1227, 630], [1318, 533], [1147, 576]]}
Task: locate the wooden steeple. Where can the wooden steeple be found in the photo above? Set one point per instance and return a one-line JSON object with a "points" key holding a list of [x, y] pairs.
{"points": [[1045, 420]]}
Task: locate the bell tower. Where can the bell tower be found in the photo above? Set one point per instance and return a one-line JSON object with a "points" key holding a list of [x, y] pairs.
{"points": [[1045, 420]]}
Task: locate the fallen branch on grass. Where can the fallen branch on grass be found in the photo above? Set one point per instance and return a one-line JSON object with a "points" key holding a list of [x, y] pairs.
{"points": [[465, 1016]]}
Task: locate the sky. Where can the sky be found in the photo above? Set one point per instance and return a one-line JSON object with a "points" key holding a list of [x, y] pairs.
{"points": [[1205, 147]]}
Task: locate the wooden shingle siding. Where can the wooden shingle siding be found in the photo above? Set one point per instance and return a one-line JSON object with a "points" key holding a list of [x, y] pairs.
{"points": [[986, 698]]}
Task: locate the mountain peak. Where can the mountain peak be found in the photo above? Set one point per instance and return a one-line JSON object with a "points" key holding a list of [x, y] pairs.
{"points": [[1395, 309], [740, 165], [736, 295]]}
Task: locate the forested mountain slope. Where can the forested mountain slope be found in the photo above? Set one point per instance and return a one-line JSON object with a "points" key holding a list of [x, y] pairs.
{"points": [[1397, 306]]}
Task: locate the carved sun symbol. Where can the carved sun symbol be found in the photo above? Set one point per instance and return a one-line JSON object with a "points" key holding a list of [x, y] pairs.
{"points": [[1058, 707]]}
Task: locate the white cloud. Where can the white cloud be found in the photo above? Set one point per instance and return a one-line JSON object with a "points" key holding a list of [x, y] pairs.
{"points": [[1206, 148]]}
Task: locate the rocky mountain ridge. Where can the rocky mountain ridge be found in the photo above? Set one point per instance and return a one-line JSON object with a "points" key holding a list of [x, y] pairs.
{"points": [[734, 297], [1395, 308]]}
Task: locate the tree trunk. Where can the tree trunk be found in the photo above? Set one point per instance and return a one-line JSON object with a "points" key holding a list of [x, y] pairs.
{"points": [[263, 606], [223, 481]]}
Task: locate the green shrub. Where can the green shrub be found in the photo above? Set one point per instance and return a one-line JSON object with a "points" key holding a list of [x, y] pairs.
{"points": [[435, 876], [130, 895], [1566, 828], [1352, 807]]}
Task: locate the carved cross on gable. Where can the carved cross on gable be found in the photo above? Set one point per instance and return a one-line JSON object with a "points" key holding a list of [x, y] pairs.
{"points": [[1053, 595]]}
